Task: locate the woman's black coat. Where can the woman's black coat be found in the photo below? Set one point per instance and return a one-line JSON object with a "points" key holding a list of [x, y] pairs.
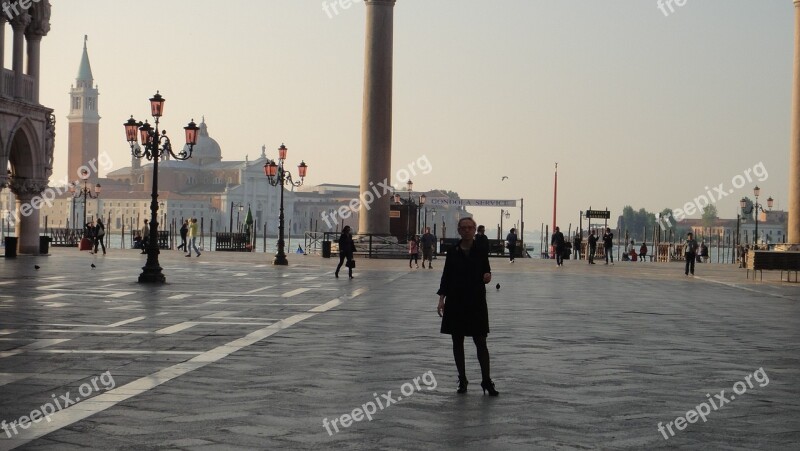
{"points": [[465, 311]]}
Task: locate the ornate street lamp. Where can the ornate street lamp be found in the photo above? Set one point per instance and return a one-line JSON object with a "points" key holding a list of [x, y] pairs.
{"points": [[755, 208], [278, 175], [507, 215], [421, 204], [86, 192], [155, 146]]}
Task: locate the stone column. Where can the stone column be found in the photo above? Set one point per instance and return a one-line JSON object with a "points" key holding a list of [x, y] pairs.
{"points": [[18, 24], [3, 21], [794, 157], [34, 42], [376, 124], [29, 202]]}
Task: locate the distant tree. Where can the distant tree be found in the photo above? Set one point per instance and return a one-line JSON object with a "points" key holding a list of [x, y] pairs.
{"points": [[747, 211], [709, 215]]}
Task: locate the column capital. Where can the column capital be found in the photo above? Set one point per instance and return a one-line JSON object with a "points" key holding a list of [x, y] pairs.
{"points": [[27, 187], [40, 21], [21, 21]]}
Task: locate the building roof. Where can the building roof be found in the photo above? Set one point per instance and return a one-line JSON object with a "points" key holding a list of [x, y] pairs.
{"points": [[85, 69]]}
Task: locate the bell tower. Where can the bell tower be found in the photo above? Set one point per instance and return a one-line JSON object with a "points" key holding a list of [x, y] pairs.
{"points": [[84, 120]]}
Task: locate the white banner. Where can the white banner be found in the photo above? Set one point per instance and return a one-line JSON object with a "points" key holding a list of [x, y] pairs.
{"points": [[472, 202]]}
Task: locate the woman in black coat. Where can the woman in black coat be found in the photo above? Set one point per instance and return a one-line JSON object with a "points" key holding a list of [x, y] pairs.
{"points": [[462, 302], [346, 249]]}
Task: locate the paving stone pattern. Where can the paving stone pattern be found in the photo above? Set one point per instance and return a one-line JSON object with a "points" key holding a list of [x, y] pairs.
{"points": [[234, 353]]}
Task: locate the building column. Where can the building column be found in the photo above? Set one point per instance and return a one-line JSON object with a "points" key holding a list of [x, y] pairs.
{"points": [[794, 157], [3, 21], [18, 24], [29, 202], [376, 125], [33, 44]]}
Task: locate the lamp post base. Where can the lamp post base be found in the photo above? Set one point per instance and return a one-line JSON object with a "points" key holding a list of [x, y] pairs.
{"points": [[280, 259], [152, 274]]}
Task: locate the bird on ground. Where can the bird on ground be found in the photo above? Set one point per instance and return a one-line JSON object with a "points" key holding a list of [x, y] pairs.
{"points": [[36, 266], [93, 266], [504, 177], [497, 286]]}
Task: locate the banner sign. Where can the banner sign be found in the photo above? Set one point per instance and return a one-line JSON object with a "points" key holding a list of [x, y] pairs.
{"points": [[437, 201], [598, 214]]}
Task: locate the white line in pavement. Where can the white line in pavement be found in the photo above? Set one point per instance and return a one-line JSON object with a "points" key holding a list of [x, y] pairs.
{"points": [[326, 306], [176, 328], [37, 344], [95, 332], [127, 321], [240, 274], [120, 294], [294, 292], [7, 378], [740, 287], [99, 403], [258, 289], [115, 351], [109, 279], [179, 296], [50, 296]]}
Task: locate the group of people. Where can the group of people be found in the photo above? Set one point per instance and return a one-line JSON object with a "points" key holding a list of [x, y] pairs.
{"points": [[96, 232], [428, 243], [559, 245], [188, 231]]}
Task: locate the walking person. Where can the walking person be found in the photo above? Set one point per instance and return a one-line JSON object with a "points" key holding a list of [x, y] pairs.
{"points": [[690, 253], [512, 244], [184, 231], [145, 236], [643, 251], [428, 242], [193, 232], [592, 247], [608, 245], [99, 235], [576, 246], [413, 251], [462, 303], [90, 233], [557, 241], [346, 249], [481, 240]]}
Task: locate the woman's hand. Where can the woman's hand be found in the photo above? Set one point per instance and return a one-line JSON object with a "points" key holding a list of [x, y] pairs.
{"points": [[487, 277], [440, 307]]}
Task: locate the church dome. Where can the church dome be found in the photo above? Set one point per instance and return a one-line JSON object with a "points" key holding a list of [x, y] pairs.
{"points": [[207, 150]]}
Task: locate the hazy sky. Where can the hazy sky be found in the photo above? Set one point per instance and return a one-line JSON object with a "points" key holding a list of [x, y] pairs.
{"points": [[637, 107]]}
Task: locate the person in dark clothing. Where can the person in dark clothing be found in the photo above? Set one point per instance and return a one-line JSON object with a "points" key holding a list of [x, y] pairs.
{"points": [[592, 247], [462, 302], [690, 252], [90, 233], [346, 249], [608, 245], [576, 246], [643, 251], [512, 244], [704, 252], [428, 243], [184, 232], [99, 235], [481, 240], [557, 241]]}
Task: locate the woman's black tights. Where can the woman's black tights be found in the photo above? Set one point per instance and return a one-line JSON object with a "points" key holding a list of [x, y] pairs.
{"points": [[483, 356], [342, 256]]}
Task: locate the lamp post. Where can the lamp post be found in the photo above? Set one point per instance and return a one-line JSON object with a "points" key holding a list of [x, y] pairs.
{"points": [[756, 207], [240, 206], [422, 199], [156, 145], [278, 175], [86, 192]]}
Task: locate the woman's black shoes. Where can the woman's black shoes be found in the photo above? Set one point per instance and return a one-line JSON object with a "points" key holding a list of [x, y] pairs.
{"points": [[462, 385], [336, 274], [488, 386]]}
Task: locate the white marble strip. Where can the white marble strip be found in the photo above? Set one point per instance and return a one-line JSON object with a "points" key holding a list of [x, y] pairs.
{"points": [[7, 378], [115, 351], [258, 289], [38, 344], [127, 321], [179, 296], [326, 306], [120, 294], [50, 296], [240, 274], [295, 292], [176, 328]]}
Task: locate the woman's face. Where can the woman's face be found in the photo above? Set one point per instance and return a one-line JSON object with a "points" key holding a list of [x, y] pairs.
{"points": [[466, 230]]}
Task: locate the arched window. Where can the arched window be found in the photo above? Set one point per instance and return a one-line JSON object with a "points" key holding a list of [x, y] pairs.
{"points": [[140, 179]]}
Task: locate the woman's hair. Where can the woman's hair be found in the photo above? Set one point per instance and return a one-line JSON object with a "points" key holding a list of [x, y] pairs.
{"points": [[346, 229], [469, 218]]}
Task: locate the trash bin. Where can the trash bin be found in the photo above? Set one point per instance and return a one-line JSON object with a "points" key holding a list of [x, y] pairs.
{"points": [[44, 244], [11, 246], [326, 249]]}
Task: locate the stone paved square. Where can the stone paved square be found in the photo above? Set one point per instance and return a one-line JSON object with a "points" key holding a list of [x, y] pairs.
{"points": [[234, 353]]}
